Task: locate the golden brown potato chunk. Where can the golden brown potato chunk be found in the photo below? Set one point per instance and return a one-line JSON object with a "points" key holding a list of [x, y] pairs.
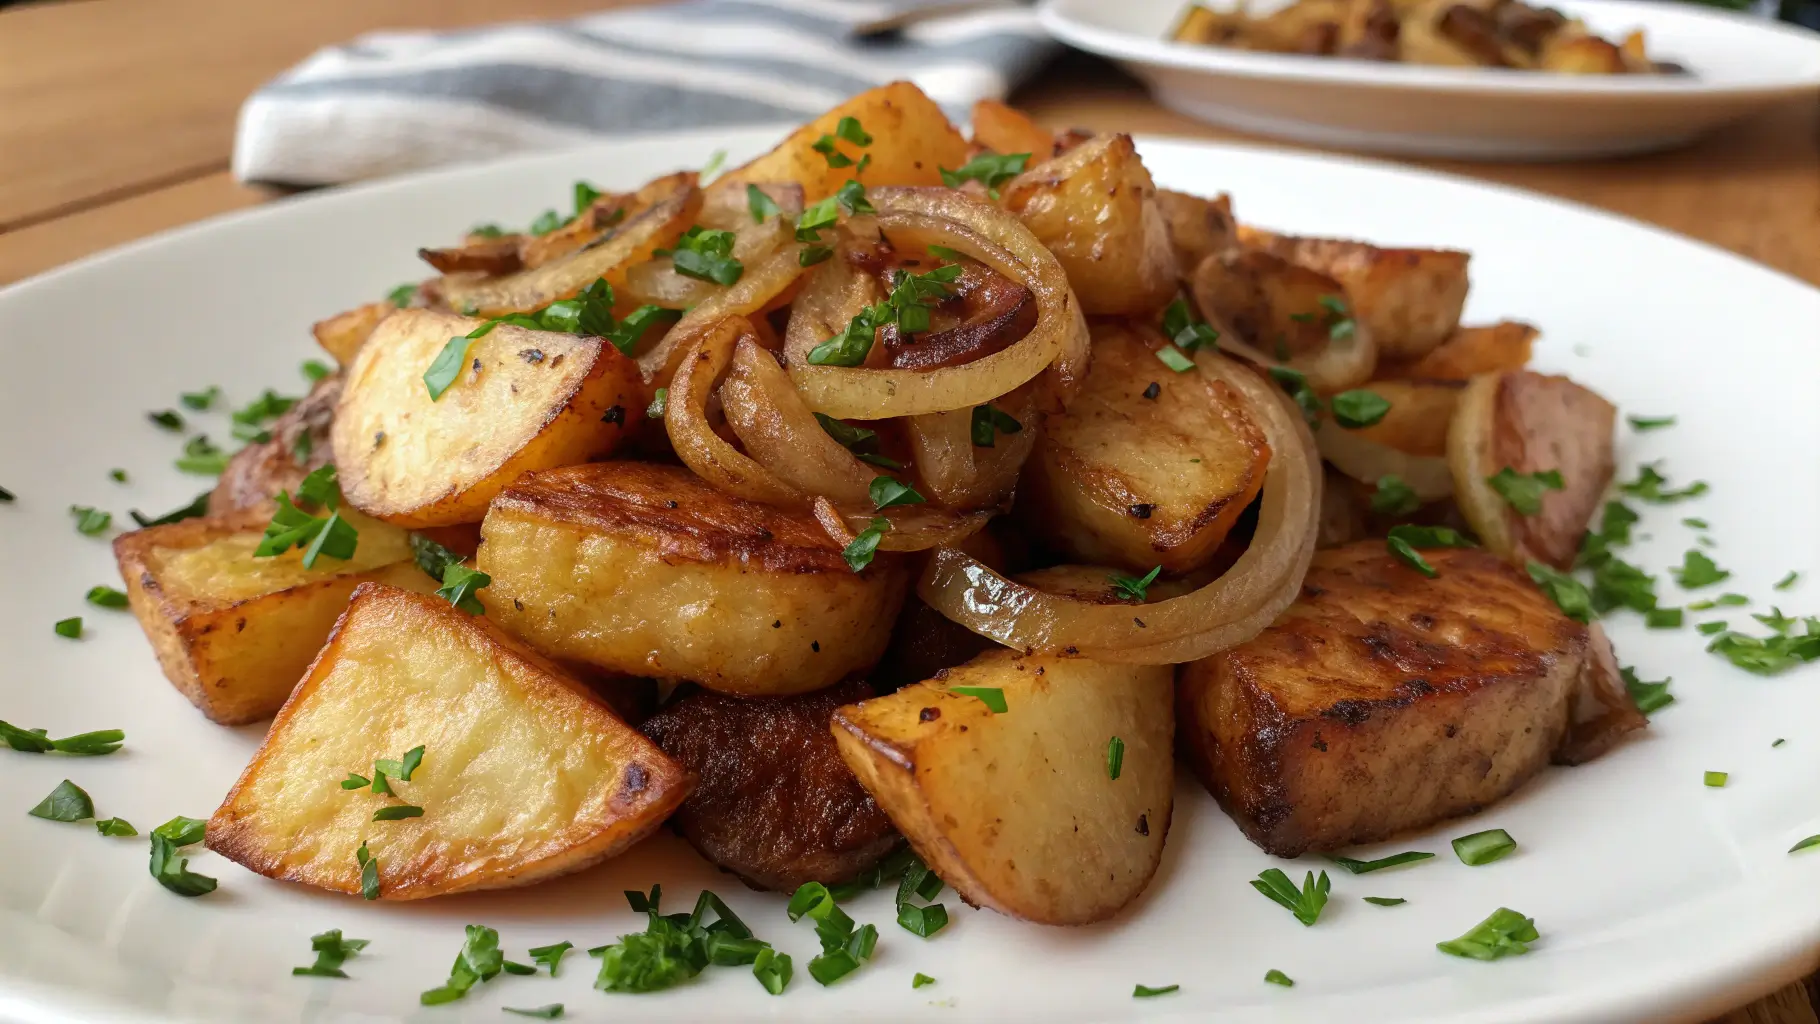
{"points": [[1286, 313], [299, 445], [523, 400], [233, 632], [1198, 227], [1409, 299], [1017, 810], [1095, 208], [342, 334], [648, 570], [1383, 701], [524, 773], [773, 801], [1147, 466], [1006, 129], [1469, 351], [1420, 412], [912, 141], [1529, 423]]}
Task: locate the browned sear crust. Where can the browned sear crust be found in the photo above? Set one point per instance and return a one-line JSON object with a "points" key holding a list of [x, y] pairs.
{"points": [[1383, 701], [259, 471], [775, 803]]}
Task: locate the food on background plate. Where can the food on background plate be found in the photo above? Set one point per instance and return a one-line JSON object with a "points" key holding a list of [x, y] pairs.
{"points": [[1506, 34], [943, 488]]}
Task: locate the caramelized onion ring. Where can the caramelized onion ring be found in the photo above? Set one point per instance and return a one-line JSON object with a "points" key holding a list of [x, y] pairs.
{"points": [[757, 289], [1368, 461], [1230, 610], [919, 217], [780, 432], [913, 527], [702, 364], [960, 474]]}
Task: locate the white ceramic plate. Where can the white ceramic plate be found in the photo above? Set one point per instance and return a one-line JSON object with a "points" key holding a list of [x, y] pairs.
{"points": [[1658, 899], [1741, 65]]}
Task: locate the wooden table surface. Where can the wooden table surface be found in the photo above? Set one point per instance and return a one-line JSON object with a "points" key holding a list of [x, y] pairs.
{"points": [[117, 120]]}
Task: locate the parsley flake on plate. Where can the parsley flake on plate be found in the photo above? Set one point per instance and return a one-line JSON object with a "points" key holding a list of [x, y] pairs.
{"points": [[68, 802], [331, 952], [1647, 696], [1504, 933], [1147, 992], [1484, 847], [1276, 977], [1651, 486], [1305, 903], [1697, 570], [1365, 867]]}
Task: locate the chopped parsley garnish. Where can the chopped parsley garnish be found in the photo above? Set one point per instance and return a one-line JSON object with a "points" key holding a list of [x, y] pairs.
{"points": [[1697, 571], [1709, 628], [1404, 540], [1146, 992], [1771, 654], [551, 1012], [919, 882], [1133, 588], [861, 442], [549, 220], [477, 231], [331, 952], [369, 872], [1359, 408], [864, 546], [1568, 594], [458, 586], [989, 421], [852, 344], [1716, 780], [844, 947], [1650, 485], [920, 980], [1173, 358], [70, 628], [1295, 384], [431, 557], [1187, 332], [1641, 423], [171, 871], [1722, 601], [1484, 847], [991, 696], [268, 405], [88, 744], [194, 510], [106, 597], [1384, 901], [1779, 742], [291, 527], [200, 400], [1523, 491], [1276, 977], [397, 812], [1339, 324], [912, 295], [1693, 523], [1115, 757], [7, 497], [314, 370], [1648, 695], [989, 169], [551, 956], [1788, 581], [1393, 497], [116, 827], [660, 402], [116, 475], [479, 960], [167, 418], [1305, 903], [1363, 867], [1663, 618], [67, 802], [773, 970], [402, 295], [589, 313], [90, 521], [1504, 933], [1806, 844], [706, 255], [760, 204], [676, 947], [711, 169], [203, 457], [1619, 584], [1777, 621], [848, 129], [887, 491]]}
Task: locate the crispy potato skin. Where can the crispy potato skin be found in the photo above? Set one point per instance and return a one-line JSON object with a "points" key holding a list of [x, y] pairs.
{"points": [[342, 334], [235, 633], [256, 473], [1469, 351], [1410, 299], [774, 803], [1115, 480], [1016, 811], [911, 141], [1531, 422], [1095, 208], [648, 570], [526, 400], [526, 774], [1383, 701]]}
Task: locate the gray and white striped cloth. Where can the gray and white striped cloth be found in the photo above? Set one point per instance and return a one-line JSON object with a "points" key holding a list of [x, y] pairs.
{"points": [[397, 101]]}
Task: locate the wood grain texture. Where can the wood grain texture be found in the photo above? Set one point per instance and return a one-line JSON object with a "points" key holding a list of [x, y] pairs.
{"points": [[116, 121]]}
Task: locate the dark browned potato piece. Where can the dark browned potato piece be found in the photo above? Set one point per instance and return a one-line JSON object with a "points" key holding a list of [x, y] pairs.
{"points": [[775, 803], [1198, 228], [259, 471], [491, 256], [1384, 701], [1468, 351]]}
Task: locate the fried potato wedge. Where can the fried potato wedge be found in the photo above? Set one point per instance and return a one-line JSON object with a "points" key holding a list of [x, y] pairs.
{"points": [[1531, 422], [1468, 351], [1198, 227], [1383, 701], [663, 211], [1419, 416], [1005, 129], [299, 445], [912, 140], [773, 801], [1409, 299], [525, 774], [1017, 811], [232, 632], [1286, 313], [648, 570], [1095, 208], [523, 400], [1147, 466], [342, 334]]}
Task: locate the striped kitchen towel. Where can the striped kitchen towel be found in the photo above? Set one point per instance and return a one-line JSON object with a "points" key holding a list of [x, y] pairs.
{"points": [[397, 101]]}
